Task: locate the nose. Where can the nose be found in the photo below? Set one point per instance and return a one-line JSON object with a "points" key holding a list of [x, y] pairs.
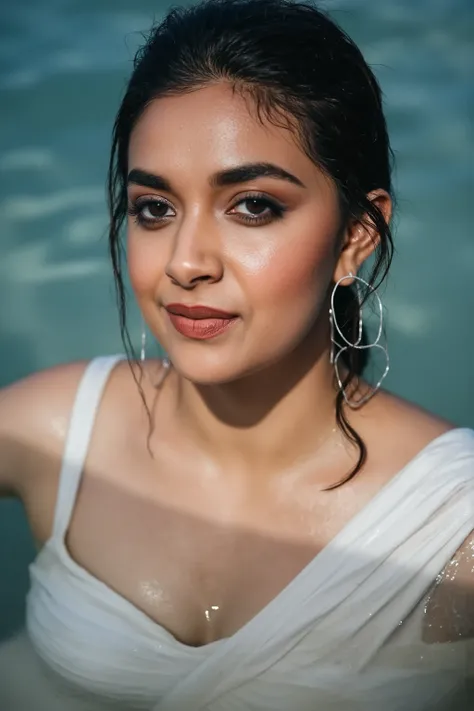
{"points": [[195, 255]]}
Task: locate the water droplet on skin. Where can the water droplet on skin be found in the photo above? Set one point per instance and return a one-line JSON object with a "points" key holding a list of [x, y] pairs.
{"points": [[208, 612], [152, 591]]}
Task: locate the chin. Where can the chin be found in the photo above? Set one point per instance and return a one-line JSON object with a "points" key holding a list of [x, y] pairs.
{"points": [[200, 368]]}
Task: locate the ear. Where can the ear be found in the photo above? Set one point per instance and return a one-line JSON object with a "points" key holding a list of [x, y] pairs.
{"points": [[361, 238]]}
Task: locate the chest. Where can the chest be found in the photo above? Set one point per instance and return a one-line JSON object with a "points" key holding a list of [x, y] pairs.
{"points": [[201, 561]]}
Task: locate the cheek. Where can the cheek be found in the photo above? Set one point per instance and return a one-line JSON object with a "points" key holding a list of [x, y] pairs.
{"points": [[144, 262], [293, 276]]}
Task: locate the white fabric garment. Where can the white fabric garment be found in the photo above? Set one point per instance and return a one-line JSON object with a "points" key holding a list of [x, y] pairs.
{"points": [[344, 635]]}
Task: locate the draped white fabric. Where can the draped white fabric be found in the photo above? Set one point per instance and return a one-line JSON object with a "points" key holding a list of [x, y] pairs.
{"points": [[327, 641], [344, 635], [324, 641]]}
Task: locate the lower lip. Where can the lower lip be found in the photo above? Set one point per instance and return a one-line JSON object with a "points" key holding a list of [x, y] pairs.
{"points": [[200, 329]]}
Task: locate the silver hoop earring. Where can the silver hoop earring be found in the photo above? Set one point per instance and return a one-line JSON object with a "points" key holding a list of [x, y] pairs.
{"points": [[143, 345], [165, 360], [341, 348]]}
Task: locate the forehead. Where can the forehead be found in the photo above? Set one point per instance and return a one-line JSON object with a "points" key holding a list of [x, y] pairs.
{"points": [[212, 128]]}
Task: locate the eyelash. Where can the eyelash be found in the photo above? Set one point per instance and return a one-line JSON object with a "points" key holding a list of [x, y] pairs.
{"points": [[136, 208], [277, 210]]}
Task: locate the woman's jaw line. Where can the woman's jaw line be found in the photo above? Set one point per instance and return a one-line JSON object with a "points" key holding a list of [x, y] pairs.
{"points": [[287, 402]]}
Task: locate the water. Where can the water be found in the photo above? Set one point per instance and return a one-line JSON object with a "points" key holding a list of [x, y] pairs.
{"points": [[63, 64]]}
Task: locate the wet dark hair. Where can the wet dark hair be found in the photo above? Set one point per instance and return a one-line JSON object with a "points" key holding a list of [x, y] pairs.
{"points": [[300, 70]]}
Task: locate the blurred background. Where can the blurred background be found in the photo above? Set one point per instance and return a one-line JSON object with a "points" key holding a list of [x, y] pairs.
{"points": [[63, 68]]}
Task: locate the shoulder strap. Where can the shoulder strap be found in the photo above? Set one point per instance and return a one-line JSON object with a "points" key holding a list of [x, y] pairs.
{"points": [[85, 407]]}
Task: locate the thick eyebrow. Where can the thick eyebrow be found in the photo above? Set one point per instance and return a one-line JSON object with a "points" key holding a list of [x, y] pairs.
{"points": [[252, 171], [232, 176], [149, 180]]}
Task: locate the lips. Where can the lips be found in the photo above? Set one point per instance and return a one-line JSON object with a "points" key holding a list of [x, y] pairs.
{"points": [[197, 312], [199, 322]]}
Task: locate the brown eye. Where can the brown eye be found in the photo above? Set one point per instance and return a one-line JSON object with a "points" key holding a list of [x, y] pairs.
{"points": [[151, 213], [255, 206], [154, 209], [257, 209]]}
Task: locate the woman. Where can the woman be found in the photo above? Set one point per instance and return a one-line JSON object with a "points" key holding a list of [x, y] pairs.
{"points": [[247, 524]]}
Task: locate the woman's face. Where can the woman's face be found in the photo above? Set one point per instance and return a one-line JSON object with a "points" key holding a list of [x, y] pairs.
{"points": [[229, 214]]}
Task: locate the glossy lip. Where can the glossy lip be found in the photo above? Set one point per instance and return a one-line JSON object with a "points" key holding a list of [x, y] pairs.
{"points": [[198, 312], [200, 329]]}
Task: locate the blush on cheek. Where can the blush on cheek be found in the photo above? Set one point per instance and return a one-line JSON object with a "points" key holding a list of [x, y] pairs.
{"points": [[301, 275], [138, 276], [289, 294], [144, 266]]}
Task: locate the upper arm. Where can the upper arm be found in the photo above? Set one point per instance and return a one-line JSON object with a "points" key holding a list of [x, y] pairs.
{"points": [[34, 416], [449, 614]]}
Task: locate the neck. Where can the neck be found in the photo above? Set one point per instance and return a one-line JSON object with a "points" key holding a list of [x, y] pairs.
{"points": [[267, 420]]}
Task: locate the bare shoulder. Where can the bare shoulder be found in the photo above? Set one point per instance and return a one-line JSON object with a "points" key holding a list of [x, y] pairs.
{"points": [[34, 416], [35, 413], [398, 429], [411, 419]]}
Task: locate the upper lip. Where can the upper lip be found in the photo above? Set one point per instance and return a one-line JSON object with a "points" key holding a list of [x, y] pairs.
{"points": [[197, 312]]}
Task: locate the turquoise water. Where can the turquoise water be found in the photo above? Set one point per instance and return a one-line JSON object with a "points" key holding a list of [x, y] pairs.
{"points": [[63, 65]]}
